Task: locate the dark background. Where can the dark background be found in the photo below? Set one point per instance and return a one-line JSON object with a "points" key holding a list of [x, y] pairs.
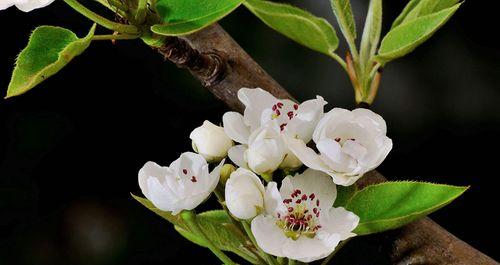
{"points": [[70, 149]]}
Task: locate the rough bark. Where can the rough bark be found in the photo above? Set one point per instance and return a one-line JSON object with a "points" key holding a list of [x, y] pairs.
{"points": [[202, 53]]}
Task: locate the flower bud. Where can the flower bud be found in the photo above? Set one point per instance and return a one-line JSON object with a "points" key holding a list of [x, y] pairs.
{"points": [[244, 194], [225, 172], [266, 149], [211, 142]]}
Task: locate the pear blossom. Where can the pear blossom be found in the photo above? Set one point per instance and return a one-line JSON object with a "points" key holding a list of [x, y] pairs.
{"points": [[183, 185], [210, 141], [244, 194], [24, 5], [299, 221], [287, 118], [350, 143]]}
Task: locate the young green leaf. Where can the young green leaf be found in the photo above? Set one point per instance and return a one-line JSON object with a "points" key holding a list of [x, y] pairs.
{"points": [[418, 8], [390, 205], [49, 49], [311, 31], [371, 32], [406, 37], [343, 12], [174, 219], [222, 232], [187, 16]]}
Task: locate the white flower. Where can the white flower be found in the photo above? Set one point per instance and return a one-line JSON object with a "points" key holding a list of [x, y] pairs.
{"points": [[266, 149], [24, 5], [262, 108], [211, 142], [244, 194], [350, 143], [300, 222], [182, 186]]}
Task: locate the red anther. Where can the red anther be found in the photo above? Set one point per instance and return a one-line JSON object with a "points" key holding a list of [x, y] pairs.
{"points": [[298, 191], [280, 105], [290, 209], [298, 201], [309, 217], [287, 201], [278, 112], [193, 179], [306, 211], [312, 196], [274, 107], [282, 126], [317, 202], [279, 215], [185, 171], [337, 139], [290, 114], [317, 214], [315, 210], [304, 197], [296, 106]]}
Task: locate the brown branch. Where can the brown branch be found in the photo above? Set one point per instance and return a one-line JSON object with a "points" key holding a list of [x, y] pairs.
{"points": [[421, 242]]}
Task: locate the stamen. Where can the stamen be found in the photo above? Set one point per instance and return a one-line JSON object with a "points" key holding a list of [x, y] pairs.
{"points": [[296, 106], [193, 179], [312, 196], [185, 171], [337, 139]]}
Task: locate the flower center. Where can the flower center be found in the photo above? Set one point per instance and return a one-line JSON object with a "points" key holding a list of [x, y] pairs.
{"points": [[302, 215], [192, 178], [279, 109]]}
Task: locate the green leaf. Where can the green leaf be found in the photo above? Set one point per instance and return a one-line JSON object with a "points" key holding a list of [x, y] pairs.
{"points": [[49, 50], [371, 32], [343, 12], [390, 205], [406, 37], [418, 8], [174, 219], [222, 232], [187, 16], [218, 227], [297, 24], [344, 195]]}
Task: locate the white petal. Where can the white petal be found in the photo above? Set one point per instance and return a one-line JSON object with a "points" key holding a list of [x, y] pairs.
{"points": [[308, 115], [235, 127], [306, 154], [329, 122], [256, 101], [370, 120], [340, 221], [210, 141], [291, 162], [244, 193], [161, 196], [237, 155], [312, 181], [354, 149], [266, 149], [33, 4], [270, 238], [214, 176], [150, 169], [331, 153], [273, 201], [306, 249]]}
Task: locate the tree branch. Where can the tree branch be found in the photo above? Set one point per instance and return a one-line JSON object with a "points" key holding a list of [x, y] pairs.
{"points": [[224, 67]]}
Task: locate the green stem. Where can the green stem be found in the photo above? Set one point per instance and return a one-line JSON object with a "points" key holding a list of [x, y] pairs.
{"points": [[327, 259], [111, 25], [115, 37], [142, 7], [270, 260], [291, 262], [191, 221]]}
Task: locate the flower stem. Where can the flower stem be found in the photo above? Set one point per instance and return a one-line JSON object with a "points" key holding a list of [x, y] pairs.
{"points": [[122, 28], [270, 260], [327, 259], [291, 262], [190, 218]]}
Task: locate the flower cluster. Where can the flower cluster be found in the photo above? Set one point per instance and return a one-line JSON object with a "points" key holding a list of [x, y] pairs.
{"points": [[316, 151]]}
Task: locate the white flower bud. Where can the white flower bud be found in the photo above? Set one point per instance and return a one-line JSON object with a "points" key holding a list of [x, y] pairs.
{"points": [[211, 142], [244, 194], [266, 149]]}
